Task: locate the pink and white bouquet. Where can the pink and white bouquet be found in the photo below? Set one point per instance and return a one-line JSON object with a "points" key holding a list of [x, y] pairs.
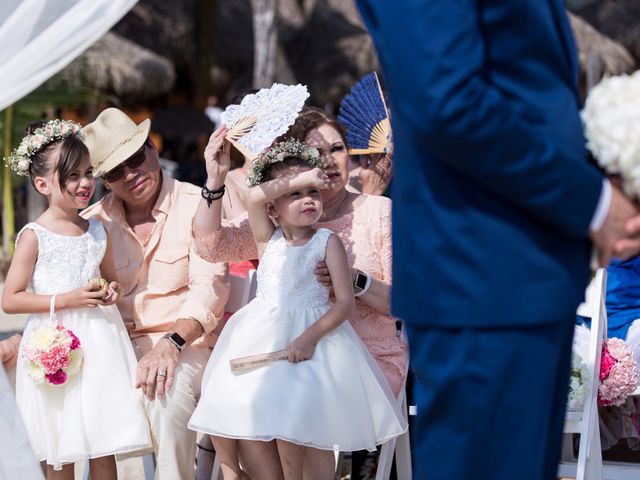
{"points": [[618, 373], [52, 354]]}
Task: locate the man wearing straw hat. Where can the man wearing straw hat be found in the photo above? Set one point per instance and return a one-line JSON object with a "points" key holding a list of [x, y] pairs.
{"points": [[172, 299]]}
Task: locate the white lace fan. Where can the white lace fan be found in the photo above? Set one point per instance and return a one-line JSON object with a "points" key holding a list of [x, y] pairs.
{"points": [[263, 116]]}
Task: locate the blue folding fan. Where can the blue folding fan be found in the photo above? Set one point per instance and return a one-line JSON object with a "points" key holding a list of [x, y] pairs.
{"points": [[364, 115]]}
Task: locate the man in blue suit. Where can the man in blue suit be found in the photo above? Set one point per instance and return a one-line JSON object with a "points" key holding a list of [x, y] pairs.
{"points": [[494, 206]]}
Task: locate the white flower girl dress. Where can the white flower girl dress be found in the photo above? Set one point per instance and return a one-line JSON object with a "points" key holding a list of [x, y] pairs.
{"points": [[336, 400], [98, 411]]}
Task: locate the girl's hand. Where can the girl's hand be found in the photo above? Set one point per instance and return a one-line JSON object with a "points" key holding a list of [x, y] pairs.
{"points": [[113, 293], [83, 297], [217, 158], [301, 349], [316, 178]]}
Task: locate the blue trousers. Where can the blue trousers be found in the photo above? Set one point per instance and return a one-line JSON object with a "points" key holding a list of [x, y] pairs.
{"points": [[490, 402]]}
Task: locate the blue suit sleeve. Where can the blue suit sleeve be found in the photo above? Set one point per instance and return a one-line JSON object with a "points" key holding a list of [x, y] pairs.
{"points": [[468, 123]]}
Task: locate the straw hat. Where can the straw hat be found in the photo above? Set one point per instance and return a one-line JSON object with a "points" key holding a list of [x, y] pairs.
{"points": [[112, 138]]}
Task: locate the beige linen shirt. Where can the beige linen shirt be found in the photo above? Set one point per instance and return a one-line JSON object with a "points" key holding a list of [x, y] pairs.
{"points": [[163, 280]]}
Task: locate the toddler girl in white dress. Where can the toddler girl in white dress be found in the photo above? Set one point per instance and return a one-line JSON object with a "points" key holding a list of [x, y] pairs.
{"points": [[329, 393]]}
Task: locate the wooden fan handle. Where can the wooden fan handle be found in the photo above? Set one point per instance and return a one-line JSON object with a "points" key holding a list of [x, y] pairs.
{"points": [[244, 151], [252, 361], [366, 151]]}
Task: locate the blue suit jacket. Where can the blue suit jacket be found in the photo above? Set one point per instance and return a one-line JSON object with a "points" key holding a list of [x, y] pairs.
{"points": [[492, 191]]}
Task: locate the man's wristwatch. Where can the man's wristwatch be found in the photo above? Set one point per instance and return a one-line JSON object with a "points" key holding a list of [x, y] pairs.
{"points": [[176, 340], [361, 283]]}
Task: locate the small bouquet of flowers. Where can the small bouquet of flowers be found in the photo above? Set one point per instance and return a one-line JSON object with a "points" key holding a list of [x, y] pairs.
{"points": [[578, 383], [52, 354], [611, 118], [618, 373]]}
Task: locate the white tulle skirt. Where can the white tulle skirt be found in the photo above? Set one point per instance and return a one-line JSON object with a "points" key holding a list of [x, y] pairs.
{"points": [[337, 400], [98, 411]]}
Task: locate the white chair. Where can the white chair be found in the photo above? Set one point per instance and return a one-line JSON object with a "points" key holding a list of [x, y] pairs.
{"points": [[241, 291], [398, 446], [589, 465], [585, 422]]}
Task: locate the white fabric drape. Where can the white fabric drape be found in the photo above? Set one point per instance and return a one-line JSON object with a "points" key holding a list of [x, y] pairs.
{"points": [[40, 37], [17, 459]]}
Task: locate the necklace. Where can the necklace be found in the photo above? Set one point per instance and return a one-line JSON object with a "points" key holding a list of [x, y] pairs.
{"points": [[338, 212]]}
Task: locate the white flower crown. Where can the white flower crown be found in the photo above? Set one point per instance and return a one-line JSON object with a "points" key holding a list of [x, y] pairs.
{"points": [[53, 130], [277, 153]]}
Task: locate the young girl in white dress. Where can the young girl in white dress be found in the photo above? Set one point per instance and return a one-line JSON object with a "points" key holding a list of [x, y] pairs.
{"points": [[328, 394], [96, 412]]}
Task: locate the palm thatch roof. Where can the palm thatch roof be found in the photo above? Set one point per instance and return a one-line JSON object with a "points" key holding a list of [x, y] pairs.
{"points": [[618, 19], [596, 48], [119, 66], [321, 43]]}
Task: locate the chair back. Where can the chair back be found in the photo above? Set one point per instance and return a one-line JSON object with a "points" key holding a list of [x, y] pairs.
{"points": [[242, 289], [590, 425], [585, 422]]}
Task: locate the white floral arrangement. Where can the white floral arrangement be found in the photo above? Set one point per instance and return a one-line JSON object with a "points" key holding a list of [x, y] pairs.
{"points": [[611, 118], [277, 153], [20, 159], [578, 383]]}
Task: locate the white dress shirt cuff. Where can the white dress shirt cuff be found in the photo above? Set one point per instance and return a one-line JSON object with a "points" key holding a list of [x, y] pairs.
{"points": [[602, 209]]}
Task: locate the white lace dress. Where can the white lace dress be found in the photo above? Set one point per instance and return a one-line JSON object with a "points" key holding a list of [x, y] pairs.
{"points": [[337, 400], [98, 411]]}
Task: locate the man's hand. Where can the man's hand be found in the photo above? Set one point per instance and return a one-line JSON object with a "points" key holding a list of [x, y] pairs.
{"points": [[619, 236], [9, 351], [156, 370]]}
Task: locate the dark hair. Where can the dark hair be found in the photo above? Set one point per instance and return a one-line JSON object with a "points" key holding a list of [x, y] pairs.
{"points": [[71, 151], [311, 118], [274, 169]]}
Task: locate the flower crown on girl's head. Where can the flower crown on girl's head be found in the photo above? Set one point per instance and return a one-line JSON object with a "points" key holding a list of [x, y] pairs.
{"points": [[277, 153], [53, 130]]}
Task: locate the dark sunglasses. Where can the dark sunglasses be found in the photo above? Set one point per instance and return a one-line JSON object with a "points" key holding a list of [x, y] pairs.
{"points": [[134, 161]]}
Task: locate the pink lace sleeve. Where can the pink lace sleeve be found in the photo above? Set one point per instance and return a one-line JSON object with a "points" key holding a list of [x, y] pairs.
{"points": [[232, 243], [385, 242]]}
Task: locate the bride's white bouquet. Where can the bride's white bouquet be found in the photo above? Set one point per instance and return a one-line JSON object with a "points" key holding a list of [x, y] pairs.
{"points": [[611, 118]]}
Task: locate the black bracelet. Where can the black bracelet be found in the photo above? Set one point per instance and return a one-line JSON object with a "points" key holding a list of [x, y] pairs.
{"points": [[211, 195]]}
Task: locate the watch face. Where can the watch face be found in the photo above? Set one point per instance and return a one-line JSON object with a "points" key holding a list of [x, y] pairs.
{"points": [[361, 281], [178, 339]]}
